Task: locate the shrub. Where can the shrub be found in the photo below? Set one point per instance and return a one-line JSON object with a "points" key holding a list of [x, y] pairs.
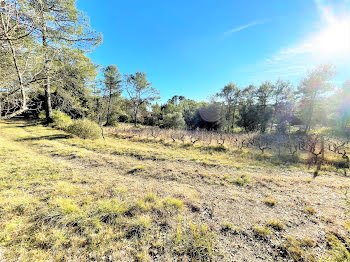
{"points": [[196, 242], [60, 119], [85, 129], [270, 202], [261, 231], [321, 131], [114, 120], [237, 130], [229, 227], [241, 181], [124, 118], [275, 224], [174, 120]]}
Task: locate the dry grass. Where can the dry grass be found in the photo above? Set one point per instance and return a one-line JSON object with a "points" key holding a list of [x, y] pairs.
{"points": [[67, 199]]}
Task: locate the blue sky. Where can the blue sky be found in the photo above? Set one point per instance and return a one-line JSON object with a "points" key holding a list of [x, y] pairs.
{"points": [[195, 47]]}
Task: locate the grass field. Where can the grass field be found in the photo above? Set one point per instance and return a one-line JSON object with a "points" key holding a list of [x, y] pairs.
{"points": [[67, 199]]}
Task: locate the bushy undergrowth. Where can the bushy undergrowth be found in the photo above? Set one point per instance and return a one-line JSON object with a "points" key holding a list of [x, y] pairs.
{"points": [[85, 129], [60, 119]]}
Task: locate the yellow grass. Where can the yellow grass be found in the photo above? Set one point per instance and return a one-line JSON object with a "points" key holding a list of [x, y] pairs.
{"points": [[67, 199]]}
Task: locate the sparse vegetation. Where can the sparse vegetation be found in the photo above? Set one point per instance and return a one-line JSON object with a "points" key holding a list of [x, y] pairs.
{"points": [[67, 198], [229, 227], [241, 181], [93, 167], [275, 224], [270, 202], [310, 210], [261, 232], [195, 241], [297, 249]]}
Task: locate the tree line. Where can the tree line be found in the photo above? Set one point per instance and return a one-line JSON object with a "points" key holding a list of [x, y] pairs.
{"points": [[44, 66], [270, 107]]}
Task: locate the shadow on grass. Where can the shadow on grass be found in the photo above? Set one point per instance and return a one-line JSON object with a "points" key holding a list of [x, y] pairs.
{"points": [[22, 122], [52, 137]]}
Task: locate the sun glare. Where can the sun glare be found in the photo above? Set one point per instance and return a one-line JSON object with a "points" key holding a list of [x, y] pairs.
{"points": [[334, 40]]}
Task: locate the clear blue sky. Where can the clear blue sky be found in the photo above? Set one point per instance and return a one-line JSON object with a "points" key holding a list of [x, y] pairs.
{"points": [[195, 47]]}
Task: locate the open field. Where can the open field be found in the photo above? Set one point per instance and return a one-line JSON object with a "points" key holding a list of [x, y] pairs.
{"points": [[68, 199]]}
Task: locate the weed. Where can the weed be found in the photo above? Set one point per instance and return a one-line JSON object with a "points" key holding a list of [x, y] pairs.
{"points": [[310, 210], [67, 205], [339, 249], [307, 242], [262, 232], [296, 250], [196, 242], [270, 202], [138, 227], [242, 180], [173, 203], [109, 210], [229, 227], [275, 224], [150, 197]]}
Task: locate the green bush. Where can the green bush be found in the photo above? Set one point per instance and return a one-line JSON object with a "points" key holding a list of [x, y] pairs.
{"points": [[237, 130], [124, 118], [60, 119], [114, 120], [174, 120], [85, 129]]}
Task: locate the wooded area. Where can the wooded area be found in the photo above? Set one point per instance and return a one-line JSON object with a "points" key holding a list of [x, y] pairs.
{"points": [[44, 66]]}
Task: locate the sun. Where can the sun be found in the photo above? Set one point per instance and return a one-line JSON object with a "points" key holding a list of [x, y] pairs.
{"points": [[334, 41]]}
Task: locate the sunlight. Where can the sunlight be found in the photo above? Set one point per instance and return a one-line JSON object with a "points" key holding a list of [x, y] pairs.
{"points": [[334, 41]]}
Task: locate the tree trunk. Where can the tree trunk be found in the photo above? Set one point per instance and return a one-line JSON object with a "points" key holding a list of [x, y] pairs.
{"points": [[109, 109], [234, 115], [320, 161], [263, 123], [308, 123], [47, 84], [23, 107], [136, 111]]}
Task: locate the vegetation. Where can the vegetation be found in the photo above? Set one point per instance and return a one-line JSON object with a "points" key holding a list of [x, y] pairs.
{"points": [[66, 198], [84, 128], [94, 168]]}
